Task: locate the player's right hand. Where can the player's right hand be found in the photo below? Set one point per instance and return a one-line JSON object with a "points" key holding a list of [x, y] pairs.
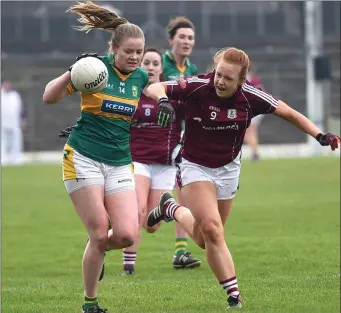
{"points": [[165, 113], [328, 140], [85, 55]]}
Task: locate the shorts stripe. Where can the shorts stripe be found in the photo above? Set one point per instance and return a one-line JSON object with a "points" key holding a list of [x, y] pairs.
{"points": [[132, 168], [69, 170], [178, 175]]}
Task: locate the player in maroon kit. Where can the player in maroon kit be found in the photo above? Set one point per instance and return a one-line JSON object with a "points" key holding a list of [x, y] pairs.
{"points": [[153, 150], [219, 107]]}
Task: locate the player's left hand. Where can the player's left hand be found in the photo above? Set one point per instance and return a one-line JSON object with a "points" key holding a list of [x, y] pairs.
{"points": [[328, 140], [165, 113], [85, 55], [65, 133]]}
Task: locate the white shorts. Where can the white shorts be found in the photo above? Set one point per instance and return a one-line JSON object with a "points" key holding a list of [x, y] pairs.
{"points": [[225, 178], [80, 171], [257, 120], [162, 176]]}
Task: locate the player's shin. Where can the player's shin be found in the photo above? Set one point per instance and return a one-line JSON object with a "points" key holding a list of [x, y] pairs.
{"points": [[92, 265], [129, 255], [220, 260], [185, 218]]}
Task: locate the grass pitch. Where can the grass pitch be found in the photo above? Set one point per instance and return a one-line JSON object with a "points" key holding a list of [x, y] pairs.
{"points": [[283, 232]]}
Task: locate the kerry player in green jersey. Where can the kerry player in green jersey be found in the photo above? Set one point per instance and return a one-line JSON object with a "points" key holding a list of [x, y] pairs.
{"points": [[97, 164], [176, 63], [181, 38]]}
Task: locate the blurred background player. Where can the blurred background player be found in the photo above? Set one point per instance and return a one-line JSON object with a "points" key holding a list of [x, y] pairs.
{"points": [[219, 107], [176, 63], [152, 149], [12, 125], [252, 132], [97, 163]]}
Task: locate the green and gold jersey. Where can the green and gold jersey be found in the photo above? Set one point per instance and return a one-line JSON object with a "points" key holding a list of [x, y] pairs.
{"points": [[102, 132], [172, 70]]}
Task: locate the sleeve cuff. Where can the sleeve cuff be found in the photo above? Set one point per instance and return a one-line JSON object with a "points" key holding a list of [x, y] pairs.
{"points": [[71, 88]]}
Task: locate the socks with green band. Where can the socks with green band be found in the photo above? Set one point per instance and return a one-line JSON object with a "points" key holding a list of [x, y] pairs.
{"points": [[180, 246]]}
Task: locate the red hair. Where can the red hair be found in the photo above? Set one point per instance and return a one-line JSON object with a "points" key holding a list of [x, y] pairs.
{"points": [[234, 56]]}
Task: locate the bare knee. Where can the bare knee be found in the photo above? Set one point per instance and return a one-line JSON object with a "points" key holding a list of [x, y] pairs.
{"points": [[124, 239], [151, 229], [100, 240], [127, 240], [212, 231]]}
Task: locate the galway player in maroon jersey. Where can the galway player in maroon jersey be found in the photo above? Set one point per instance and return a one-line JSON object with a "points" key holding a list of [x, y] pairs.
{"points": [[219, 107], [153, 149]]}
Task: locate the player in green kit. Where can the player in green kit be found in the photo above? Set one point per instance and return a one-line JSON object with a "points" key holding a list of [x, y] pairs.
{"points": [[97, 164], [176, 63], [115, 104]]}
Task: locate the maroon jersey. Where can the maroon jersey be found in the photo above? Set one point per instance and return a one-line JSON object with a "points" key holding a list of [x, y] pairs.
{"points": [[215, 127], [150, 143]]}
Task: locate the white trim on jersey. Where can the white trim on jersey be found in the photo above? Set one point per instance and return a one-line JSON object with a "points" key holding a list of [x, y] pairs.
{"points": [[195, 79], [171, 82], [189, 80], [261, 94]]}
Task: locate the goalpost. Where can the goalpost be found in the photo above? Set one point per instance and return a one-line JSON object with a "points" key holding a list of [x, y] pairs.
{"points": [[313, 49]]}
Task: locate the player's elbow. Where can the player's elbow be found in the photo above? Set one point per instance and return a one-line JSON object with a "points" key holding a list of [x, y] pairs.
{"points": [[47, 100]]}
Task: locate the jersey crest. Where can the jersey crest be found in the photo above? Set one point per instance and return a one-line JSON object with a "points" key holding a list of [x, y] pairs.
{"points": [[232, 113]]}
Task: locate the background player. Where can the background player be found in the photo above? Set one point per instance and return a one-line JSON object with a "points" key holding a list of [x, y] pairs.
{"points": [[219, 108], [97, 164], [176, 63], [13, 123], [152, 149]]}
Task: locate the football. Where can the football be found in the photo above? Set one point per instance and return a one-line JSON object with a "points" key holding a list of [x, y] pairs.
{"points": [[89, 75]]}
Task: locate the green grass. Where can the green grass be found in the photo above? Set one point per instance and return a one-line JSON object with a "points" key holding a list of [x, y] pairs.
{"points": [[284, 234]]}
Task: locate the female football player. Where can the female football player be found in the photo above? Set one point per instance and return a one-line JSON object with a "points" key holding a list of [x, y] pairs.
{"points": [[97, 163], [219, 108], [176, 64], [153, 150]]}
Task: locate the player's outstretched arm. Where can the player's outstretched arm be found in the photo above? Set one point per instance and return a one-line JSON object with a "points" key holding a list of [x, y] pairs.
{"points": [[305, 125], [165, 112], [156, 91], [56, 89]]}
